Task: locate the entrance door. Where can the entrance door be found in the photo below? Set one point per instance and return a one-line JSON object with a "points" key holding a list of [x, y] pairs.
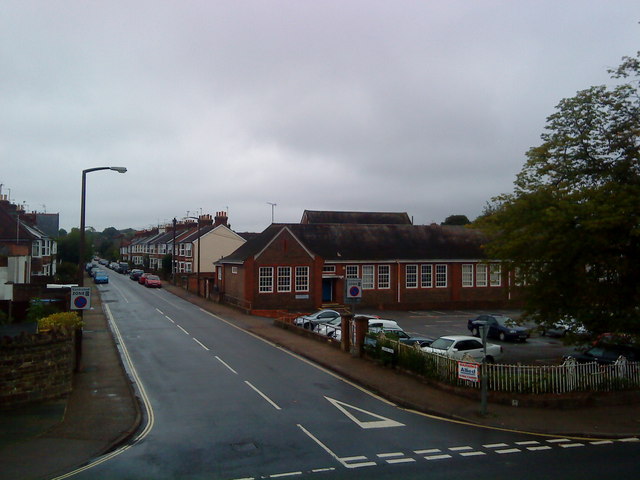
{"points": [[327, 290]]}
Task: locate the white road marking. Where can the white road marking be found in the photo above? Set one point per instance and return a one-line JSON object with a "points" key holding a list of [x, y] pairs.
{"points": [[459, 449], [342, 461], [320, 470], [571, 445], [200, 343], [472, 454], [495, 445], [531, 442], [273, 404], [558, 440], [630, 439], [226, 364], [393, 461], [159, 311], [388, 455], [182, 329], [537, 449], [508, 450], [170, 319], [289, 474], [602, 442], [437, 457], [382, 422], [430, 450]]}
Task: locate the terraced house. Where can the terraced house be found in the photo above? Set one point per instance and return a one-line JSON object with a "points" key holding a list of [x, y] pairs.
{"points": [[301, 267]]}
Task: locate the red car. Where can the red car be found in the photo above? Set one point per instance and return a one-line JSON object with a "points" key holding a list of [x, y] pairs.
{"points": [[143, 278], [153, 281]]}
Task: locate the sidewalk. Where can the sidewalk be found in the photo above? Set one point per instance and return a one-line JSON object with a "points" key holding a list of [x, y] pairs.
{"points": [[102, 412]]}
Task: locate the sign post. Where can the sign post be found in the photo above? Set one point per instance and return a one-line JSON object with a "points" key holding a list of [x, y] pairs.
{"points": [[80, 298], [353, 292]]}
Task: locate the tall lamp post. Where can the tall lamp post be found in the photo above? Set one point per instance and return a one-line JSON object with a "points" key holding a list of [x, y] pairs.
{"points": [[82, 210], [198, 263]]}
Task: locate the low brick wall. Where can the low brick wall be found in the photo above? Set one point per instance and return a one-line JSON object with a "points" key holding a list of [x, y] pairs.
{"points": [[34, 368]]}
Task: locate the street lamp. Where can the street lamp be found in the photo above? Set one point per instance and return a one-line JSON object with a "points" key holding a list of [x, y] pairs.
{"points": [[198, 274], [82, 209]]}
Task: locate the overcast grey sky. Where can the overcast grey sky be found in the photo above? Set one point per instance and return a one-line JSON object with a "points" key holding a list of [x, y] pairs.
{"points": [[424, 107]]}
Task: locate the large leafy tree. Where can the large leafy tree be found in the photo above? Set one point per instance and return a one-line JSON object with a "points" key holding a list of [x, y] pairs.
{"points": [[571, 227]]}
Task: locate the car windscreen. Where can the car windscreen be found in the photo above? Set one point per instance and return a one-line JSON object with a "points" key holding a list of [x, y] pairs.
{"points": [[441, 344]]}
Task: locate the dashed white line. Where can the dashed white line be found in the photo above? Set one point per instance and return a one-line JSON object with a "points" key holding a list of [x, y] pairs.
{"points": [[226, 364], [495, 445], [200, 343], [537, 449], [472, 454], [424, 452], [602, 442], [558, 440], [170, 319], [393, 461], [271, 402], [288, 474], [630, 439], [531, 442], [388, 455], [460, 449], [321, 470], [182, 329], [159, 311], [571, 445], [508, 450], [437, 457]]}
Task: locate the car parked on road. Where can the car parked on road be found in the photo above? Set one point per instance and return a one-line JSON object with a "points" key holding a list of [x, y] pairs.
{"points": [[153, 281], [135, 274], [321, 316], [460, 347], [142, 279], [100, 277], [93, 271], [500, 327]]}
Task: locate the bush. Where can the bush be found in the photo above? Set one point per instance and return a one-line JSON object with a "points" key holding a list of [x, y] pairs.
{"points": [[67, 320]]}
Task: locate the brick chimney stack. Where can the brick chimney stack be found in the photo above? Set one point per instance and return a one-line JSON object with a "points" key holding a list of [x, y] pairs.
{"points": [[221, 219]]}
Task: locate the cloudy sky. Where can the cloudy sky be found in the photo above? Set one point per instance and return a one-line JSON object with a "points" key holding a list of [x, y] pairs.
{"points": [[424, 107]]}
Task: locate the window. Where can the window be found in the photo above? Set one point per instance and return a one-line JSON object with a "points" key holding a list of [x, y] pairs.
{"points": [[467, 275], [441, 276], [367, 277], [187, 249], [36, 248], [495, 272], [284, 279], [352, 271], [265, 280], [481, 275], [384, 276], [234, 270], [328, 269], [411, 272], [426, 276], [302, 279], [187, 267]]}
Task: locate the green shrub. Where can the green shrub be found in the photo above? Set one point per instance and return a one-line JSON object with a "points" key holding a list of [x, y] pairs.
{"points": [[70, 320]]}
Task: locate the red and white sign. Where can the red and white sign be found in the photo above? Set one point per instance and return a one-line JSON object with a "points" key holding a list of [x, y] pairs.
{"points": [[469, 371]]}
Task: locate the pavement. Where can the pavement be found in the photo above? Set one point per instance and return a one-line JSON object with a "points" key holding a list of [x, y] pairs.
{"points": [[102, 412]]}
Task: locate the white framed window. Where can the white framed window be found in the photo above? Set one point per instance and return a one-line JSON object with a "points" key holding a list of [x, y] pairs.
{"points": [[426, 276], [188, 267], [284, 279], [36, 248], [467, 275], [495, 274], [481, 275], [411, 276], [328, 269], [188, 250], [162, 248], [234, 270], [265, 280], [302, 279], [352, 271], [367, 277], [220, 273], [441, 276], [384, 276]]}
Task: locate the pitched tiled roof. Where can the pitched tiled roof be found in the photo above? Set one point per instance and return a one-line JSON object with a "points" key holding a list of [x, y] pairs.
{"points": [[338, 242], [364, 218]]}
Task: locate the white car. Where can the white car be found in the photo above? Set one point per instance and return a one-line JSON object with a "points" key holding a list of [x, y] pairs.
{"points": [[329, 327], [373, 323], [321, 316], [460, 347]]}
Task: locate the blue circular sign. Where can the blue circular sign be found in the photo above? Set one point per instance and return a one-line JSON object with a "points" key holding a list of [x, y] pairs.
{"points": [[354, 291], [80, 302]]}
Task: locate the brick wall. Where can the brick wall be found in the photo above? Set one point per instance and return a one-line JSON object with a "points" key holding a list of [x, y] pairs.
{"points": [[34, 368]]}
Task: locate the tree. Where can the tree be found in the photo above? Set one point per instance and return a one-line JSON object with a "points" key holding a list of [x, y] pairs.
{"points": [[571, 228], [456, 220]]}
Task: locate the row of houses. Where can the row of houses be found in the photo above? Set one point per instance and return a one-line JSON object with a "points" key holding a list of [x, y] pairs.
{"points": [[27, 248], [307, 265]]}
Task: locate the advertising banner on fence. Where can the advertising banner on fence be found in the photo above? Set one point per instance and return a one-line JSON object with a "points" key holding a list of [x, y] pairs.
{"points": [[469, 371]]}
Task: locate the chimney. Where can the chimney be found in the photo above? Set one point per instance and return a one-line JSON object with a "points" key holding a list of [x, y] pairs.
{"points": [[221, 219]]}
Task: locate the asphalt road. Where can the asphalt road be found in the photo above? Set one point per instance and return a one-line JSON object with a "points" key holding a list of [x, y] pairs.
{"points": [[223, 404]]}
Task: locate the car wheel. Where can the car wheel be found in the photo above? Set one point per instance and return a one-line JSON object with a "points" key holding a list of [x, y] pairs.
{"points": [[476, 332], [307, 326], [502, 337], [490, 359]]}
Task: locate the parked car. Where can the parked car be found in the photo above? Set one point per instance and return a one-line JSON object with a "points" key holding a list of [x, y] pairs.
{"points": [[606, 354], [374, 323], [396, 333], [562, 327], [143, 278], [459, 346], [124, 267], [500, 327], [93, 271], [100, 277], [135, 274], [310, 321], [153, 281], [329, 327]]}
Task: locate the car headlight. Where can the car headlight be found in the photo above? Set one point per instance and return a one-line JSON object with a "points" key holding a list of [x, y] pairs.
{"points": [[512, 331]]}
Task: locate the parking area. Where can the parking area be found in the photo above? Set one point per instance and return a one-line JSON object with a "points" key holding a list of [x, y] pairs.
{"points": [[537, 350]]}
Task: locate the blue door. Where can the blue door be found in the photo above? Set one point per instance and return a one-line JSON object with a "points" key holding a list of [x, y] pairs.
{"points": [[327, 290]]}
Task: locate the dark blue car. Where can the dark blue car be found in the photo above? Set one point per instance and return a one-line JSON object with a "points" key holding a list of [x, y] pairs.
{"points": [[500, 327], [101, 277]]}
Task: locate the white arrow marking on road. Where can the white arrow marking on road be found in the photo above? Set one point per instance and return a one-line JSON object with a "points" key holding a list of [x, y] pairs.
{"points": [[382, 422]]}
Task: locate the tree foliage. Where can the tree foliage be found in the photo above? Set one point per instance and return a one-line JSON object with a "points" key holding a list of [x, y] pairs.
{"points": [[456, 220], [571, 228]]}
